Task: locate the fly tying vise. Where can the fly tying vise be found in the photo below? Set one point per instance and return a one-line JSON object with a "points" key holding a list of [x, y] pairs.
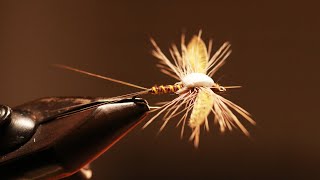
{"points": [[198, 94]]}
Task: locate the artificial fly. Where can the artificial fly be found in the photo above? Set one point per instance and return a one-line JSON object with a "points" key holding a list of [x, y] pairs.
{"points": [[197, 93]]}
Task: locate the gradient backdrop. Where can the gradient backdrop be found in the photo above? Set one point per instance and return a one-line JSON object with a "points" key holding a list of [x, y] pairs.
{"points": [[275, 57]]}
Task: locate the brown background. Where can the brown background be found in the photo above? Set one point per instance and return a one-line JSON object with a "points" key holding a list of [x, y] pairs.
{"points": [[275, 57]]}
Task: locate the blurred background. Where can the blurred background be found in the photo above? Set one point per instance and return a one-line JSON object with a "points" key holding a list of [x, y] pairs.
{"points": [[275, 58]]}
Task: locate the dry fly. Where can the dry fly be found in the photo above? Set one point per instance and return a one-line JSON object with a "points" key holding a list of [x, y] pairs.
{"points": [[197, 93]]}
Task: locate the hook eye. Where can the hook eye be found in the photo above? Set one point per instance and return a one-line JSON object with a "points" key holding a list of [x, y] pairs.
{"points": [[222, 89]]}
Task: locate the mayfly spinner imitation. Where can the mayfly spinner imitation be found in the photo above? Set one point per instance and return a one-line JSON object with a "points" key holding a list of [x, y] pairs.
{"points": [[198, 94]]}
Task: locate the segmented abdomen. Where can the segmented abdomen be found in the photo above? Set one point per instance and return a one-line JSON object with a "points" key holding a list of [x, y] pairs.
{"points": [[165, 89]]}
